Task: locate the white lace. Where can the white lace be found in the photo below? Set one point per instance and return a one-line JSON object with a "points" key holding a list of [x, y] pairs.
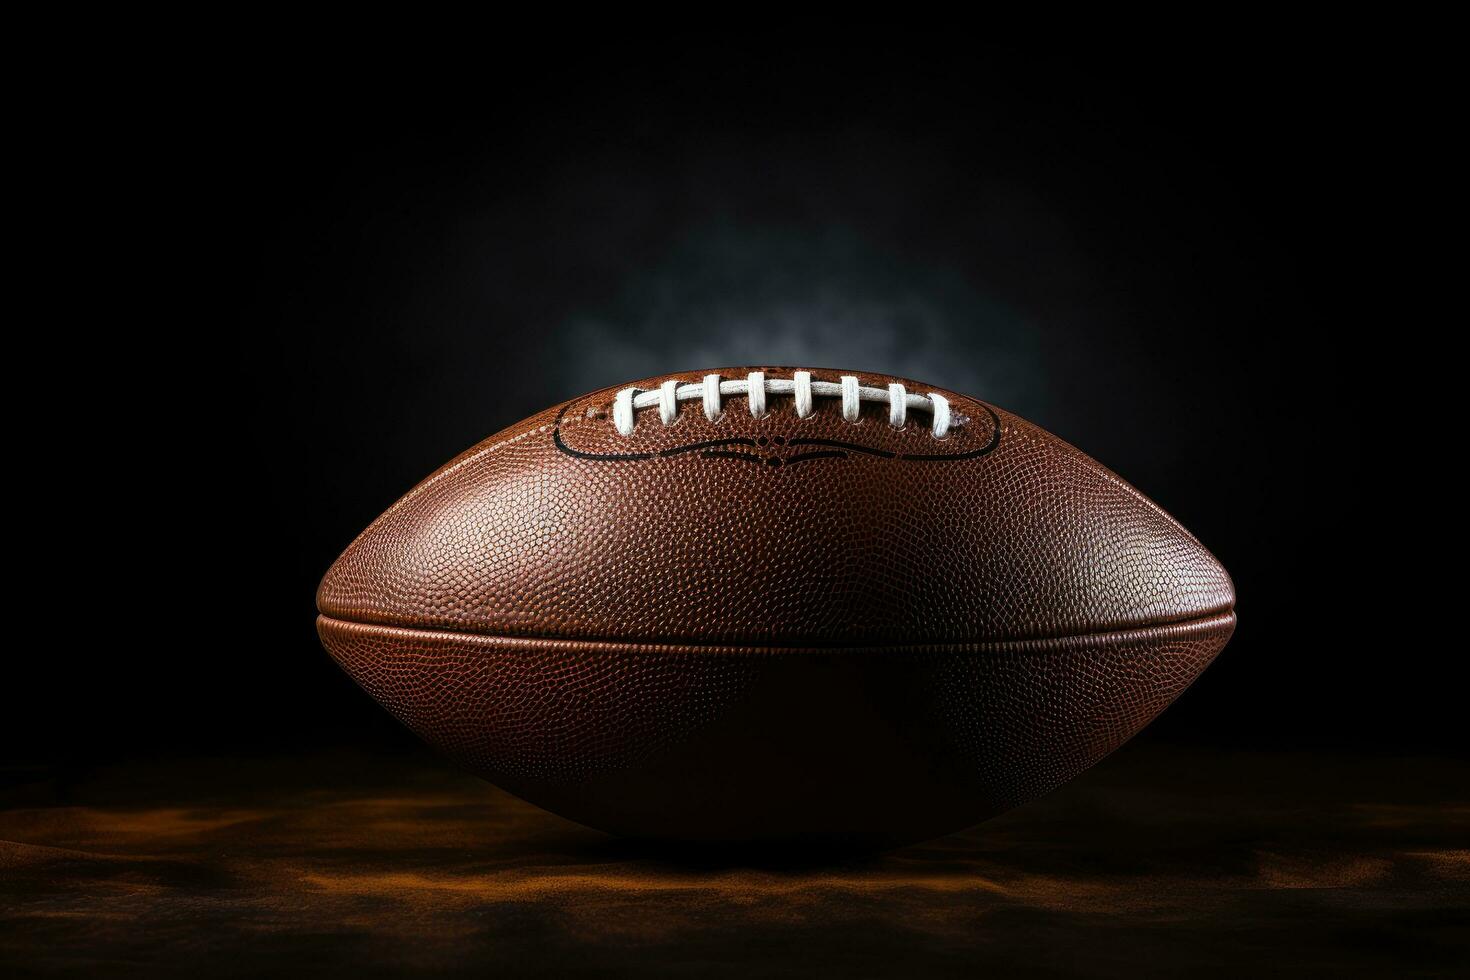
{"points": [[755, 388]]}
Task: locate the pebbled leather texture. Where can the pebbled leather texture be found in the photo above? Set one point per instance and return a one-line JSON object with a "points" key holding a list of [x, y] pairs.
{"points": [[775, 627]]}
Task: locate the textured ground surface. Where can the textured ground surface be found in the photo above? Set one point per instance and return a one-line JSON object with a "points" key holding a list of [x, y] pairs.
{"points": [[1160, 862]]}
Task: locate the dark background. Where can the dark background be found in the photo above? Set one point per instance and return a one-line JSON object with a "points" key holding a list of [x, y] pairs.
{"points": [[1140, 252]]}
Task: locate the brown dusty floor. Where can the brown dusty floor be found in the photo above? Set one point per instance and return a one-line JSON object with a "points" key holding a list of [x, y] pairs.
{"points": [[1159, 862]]}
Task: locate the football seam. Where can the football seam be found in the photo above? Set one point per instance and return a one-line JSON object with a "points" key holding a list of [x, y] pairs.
{"points": [[1153, 631]]}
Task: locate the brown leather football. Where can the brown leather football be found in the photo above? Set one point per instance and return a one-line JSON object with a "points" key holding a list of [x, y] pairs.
{"points": [[765, 604]]}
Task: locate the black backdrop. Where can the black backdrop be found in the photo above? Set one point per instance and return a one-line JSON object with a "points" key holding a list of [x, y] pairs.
{"points": [[1136, 251]]}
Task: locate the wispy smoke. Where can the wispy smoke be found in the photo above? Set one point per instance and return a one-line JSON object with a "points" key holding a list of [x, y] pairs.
{"points": [[742, 295]]}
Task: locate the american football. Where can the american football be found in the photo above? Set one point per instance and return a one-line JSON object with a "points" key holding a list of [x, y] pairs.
{"points": [[773, 605]]}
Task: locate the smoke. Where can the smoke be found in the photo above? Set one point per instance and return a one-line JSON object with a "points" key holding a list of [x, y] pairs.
{"points": [[735, 295]]}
